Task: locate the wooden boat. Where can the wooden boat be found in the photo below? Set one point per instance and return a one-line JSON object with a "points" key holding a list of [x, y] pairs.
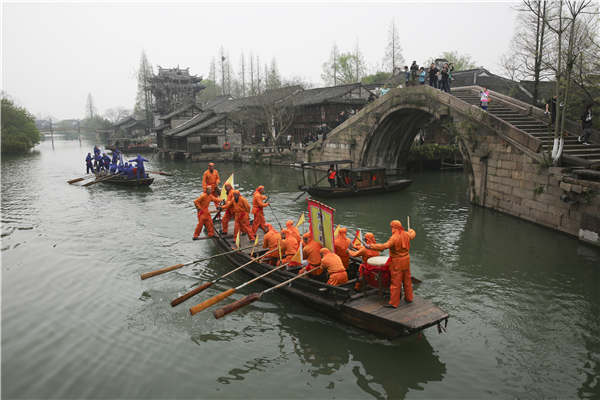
{"points": [[364, 310], [117, 179], [351, 182]]}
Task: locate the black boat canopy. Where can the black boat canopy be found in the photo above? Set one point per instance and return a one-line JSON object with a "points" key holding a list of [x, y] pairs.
{"points": [[335, 162]]}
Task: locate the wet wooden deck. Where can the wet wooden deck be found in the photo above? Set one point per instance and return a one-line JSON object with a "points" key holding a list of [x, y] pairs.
{"points": [[415, 316]]}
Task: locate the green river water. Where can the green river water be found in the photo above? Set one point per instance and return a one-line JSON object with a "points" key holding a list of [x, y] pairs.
{"points": [[77, 322]]}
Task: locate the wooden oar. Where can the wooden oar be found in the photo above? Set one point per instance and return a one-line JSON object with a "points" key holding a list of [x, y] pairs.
{"points": [[215, 299], [159, 173], [200, 288], [177, 266], [105, 178], [72, 181], [254, 296], [276, 219]]}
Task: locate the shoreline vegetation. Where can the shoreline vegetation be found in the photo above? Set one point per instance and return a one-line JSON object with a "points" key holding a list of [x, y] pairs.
{"points": [[19, 133]]}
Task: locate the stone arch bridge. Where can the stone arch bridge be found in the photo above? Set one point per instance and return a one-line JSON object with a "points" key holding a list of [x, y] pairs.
{"points": [[504, 150]]}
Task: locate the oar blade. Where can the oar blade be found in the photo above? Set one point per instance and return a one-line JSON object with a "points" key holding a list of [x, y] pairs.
{"points": [[160, 271], [236, 305], [191, 293], [212, 301], [72, 181]]}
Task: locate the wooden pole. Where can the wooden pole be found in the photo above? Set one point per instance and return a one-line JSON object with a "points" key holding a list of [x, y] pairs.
{"points": [[200, 288], [177, 266], [223, 295]]}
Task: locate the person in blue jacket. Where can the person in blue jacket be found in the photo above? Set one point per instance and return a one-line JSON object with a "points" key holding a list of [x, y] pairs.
{"points": [[98, 163], [96, 151], [129, 171], [88, 164], [121, 169], [141, 172], [116, 155], [106, 161]]}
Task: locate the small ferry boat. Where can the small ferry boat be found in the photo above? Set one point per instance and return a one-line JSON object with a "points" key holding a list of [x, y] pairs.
{"points": [[349, 182], [364, 308], [119, 179]]}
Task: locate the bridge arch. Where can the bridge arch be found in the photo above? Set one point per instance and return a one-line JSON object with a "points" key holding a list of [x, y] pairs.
{"points": [[388, 142]]}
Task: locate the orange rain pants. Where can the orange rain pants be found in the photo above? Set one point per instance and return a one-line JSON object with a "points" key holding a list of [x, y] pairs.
{"points": [[204, 220], [259, 221], [400, 275]]}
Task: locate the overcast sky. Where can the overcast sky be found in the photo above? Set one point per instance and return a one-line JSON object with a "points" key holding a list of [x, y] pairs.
{"points": [[54, 54]]}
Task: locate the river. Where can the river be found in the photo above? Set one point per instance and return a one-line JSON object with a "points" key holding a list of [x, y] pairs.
{"points": [[77, 321]]}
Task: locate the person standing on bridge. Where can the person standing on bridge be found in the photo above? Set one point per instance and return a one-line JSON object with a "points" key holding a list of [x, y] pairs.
{"points": [[484, 98], [422, 74], [433, 76], [399, 262], [586, 125], [551, 109]]}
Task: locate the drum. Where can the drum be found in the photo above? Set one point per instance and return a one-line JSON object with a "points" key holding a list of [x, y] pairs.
{"points": [[376, 272]]}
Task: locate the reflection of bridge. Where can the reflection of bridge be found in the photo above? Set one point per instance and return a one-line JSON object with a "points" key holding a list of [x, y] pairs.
{"points": [[504, 151]]}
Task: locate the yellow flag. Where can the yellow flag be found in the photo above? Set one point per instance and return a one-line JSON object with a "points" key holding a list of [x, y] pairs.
{"points": [[300, 220], [335, 233], [223, 191], [279, 248], [237, 240], [298, 256], [256, 241]]}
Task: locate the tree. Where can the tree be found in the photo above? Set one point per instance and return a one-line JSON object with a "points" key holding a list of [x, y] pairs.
{"points": [[243, 74], [344, 68], [393, 52], [90, 108], [143, 102], [116, 114], [377, 77], [461, 62], [19, 133], [274, 79]]}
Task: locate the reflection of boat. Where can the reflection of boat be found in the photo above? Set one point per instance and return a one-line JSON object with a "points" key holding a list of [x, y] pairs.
{"points": [[350, 182], [118, 179], [364, 310], [395, 367]]}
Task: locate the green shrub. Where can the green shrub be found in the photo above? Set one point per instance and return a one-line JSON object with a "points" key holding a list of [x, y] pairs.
{"points": [[19, 133]]}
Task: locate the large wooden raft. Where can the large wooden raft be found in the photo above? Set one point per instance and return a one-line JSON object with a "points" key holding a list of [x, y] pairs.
{"points": [[364, 310]]}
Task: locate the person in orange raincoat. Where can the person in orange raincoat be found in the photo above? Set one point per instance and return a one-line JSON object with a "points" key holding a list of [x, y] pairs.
{"points": [[258, 205], [365, 253], [289, 246], [211, 177], [241, 211], [311, 252], [227, 207], [399, 262], [271, 241], [289, 226], [332, 263], [204, 219], [341, 245]]}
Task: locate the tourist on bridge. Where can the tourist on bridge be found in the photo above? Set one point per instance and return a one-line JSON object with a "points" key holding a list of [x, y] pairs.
{"points": [[88, 164], [341, 244], [551, 109], [399, 262], [258, 205], [586, 125], [484, 98], [227, 207], [311, 252], [211, 177], [241, 210], [450, 70], [433, 71], [445, 79], [204, 219], [140, 170], [406, 75], [422, 75], [331, 175], [414, 68], [271, 241], [332, 264]]}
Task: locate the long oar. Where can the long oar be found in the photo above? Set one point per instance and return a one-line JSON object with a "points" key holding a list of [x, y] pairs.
{"points": [[177, 266], [254, 296], [276, 219], [200, 288], [72, 181], [215, 299], [98, 180], [159, 173]]}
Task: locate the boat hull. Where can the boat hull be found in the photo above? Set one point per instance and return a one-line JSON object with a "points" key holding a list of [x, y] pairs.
{"points": [[329, 193], [124, 181]]}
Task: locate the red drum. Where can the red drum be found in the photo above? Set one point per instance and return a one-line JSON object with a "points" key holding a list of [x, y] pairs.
{"points": [[376, 272]]}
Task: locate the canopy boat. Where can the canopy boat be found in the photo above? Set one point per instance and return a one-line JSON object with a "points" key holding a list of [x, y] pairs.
{"points": [[350, 181], [119, 179], [364, 309]]}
